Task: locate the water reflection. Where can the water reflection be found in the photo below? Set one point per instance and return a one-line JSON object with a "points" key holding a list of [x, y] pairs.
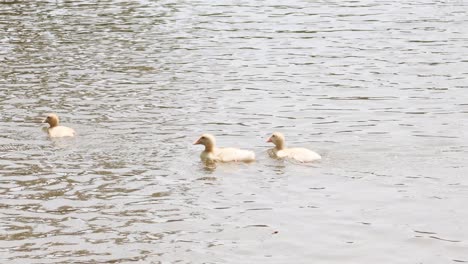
{"points": [[376, 88]]}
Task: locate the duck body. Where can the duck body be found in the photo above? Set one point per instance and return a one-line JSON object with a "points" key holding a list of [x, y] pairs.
{"points": [[227, 155], [280, 151], [60, 131], [56, 131], [213, 154], [298, 154]]}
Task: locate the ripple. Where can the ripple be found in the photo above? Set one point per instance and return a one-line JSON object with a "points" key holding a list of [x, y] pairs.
{"points": [[374, 86]]}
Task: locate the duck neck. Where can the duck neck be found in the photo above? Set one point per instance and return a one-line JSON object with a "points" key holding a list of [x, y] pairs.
{"points": [[280, 146], [53, 124], [209, 147]]}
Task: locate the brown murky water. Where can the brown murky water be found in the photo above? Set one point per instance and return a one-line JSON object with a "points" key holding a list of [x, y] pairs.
{"points": [[377, 87]]}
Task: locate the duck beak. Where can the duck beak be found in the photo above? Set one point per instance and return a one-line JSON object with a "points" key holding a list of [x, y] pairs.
{"points": [[44, 121], [197, 142], [269, 140]]}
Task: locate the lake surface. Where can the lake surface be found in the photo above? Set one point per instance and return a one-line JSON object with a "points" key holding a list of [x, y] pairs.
{"points": [[378, 88]]}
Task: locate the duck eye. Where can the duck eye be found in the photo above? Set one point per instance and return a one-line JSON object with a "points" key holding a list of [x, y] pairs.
{"points": [[202, 137], [274, 136]]}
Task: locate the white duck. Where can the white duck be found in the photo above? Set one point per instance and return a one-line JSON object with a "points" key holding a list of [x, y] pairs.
{"points": [[298, 154], [212, 154], [55, 130]]}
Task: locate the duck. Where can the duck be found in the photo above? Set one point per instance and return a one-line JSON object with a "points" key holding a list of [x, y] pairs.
{"points": [[212, 154], [280, 150], [56, 131]]}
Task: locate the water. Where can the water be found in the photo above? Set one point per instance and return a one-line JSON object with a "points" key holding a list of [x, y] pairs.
{"points": [[378, 88]]}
